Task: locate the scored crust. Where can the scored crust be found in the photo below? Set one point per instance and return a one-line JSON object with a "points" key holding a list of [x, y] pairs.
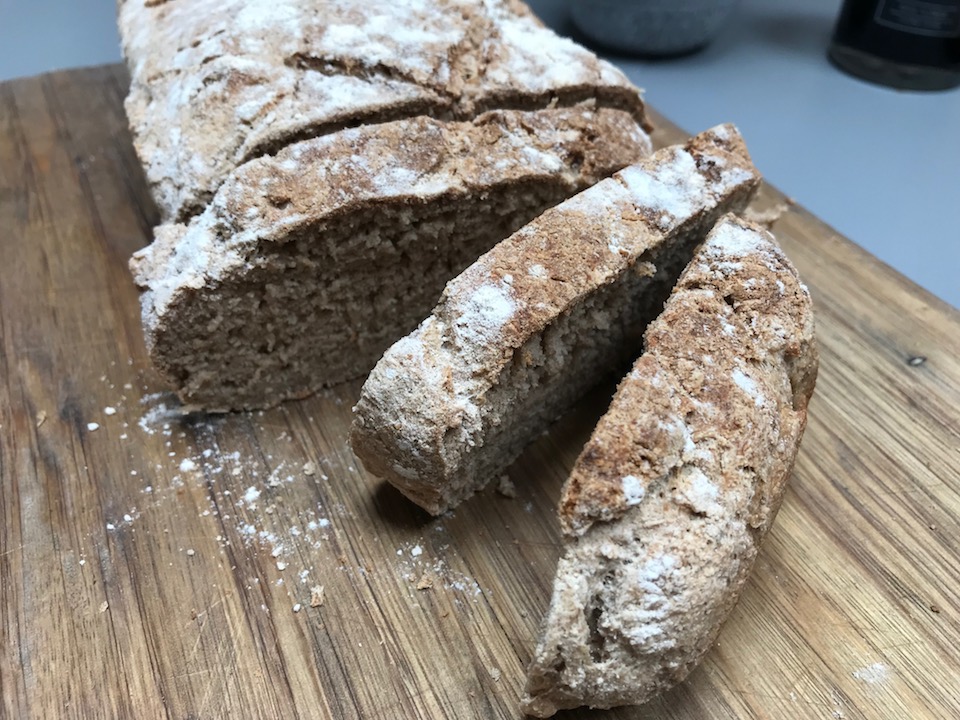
{"points": [[537, 321], [308, 264], [667, 504], [215, 83]]}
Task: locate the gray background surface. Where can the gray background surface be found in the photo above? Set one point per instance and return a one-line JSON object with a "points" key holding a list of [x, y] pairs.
{"points": [[881, 166]]}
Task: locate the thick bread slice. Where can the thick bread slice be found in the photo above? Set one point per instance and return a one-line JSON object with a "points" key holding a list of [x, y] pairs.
{"points": [[215, 83], [682, 478], [308, 264], [541, 318]]}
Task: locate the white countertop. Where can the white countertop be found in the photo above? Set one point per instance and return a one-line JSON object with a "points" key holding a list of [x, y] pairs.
{"points": [[881, 166]]}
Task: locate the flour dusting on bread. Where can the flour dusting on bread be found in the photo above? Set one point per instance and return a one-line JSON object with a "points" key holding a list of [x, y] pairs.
{"points": [[482, 314], [216, 83]]}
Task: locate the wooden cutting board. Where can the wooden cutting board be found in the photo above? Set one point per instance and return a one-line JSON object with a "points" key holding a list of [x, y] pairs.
{"points": [[153, 566]]}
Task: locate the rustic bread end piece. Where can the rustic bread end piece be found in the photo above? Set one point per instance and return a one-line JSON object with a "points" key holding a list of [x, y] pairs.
{"points": [[667, 505], [308, 264], [533, 324]]}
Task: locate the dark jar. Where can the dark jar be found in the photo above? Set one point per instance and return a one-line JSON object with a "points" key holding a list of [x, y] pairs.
{"points": [[909, 44]]}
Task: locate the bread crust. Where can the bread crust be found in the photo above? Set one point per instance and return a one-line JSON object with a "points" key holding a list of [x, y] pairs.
{"points": [[429, 418], [681, 480], [287, 230], [215, 83]]}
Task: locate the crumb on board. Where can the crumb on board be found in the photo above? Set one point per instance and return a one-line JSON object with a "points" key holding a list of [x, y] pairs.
{"points": [[426, 581], [41, 418], [191, 552], [309, 468], [316, 596], [104, 606], [91, 426], [297, 607], [494, 674], [767, 216], [506, 487]]}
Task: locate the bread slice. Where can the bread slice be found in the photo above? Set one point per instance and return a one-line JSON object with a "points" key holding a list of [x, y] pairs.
{"points": [[309, 263], [667, 504], [541, 318], [215, 83]]}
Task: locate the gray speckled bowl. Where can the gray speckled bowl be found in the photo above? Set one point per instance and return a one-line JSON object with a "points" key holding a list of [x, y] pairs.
{"points": [[651, 27]]}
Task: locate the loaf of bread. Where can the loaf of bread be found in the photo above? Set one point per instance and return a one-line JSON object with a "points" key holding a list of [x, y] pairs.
{"points": [[322, 168], [667, 504], [309, 263], [215, 83], [525, 331]]}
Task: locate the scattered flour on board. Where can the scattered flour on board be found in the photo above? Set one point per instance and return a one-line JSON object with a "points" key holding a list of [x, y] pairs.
{"points": [[872, 674], [251, 496], [251, 507], [162, 407], [424, 573]]}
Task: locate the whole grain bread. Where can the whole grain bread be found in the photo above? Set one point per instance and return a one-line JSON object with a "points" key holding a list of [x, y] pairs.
{"points": [[667, 504], [215, 83], [521, 334], [309, 263]]}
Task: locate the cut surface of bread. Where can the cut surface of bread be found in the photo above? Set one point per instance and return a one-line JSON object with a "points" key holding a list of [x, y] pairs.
{"points": [[525, 331], [667, 504], [309, 263], [215, 83]]}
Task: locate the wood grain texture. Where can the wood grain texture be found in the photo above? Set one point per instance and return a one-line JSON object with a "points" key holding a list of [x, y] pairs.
{"points": [[140, 576]]}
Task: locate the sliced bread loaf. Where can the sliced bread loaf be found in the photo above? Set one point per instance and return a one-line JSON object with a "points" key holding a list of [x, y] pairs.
{"points": [[667, 505], [308, 264], [215, 83], [541, 318]]}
